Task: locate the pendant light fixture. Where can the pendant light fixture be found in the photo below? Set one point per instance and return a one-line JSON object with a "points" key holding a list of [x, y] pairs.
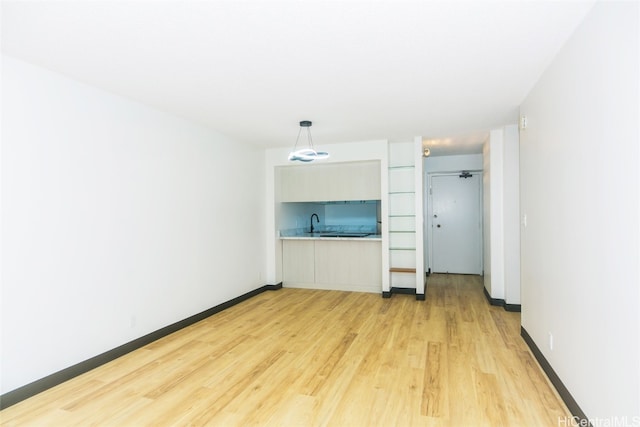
{"points": [[308, 154]]}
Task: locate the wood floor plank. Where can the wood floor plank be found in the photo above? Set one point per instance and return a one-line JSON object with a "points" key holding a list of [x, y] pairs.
{"points": [[320, 358], [434, 392], [461, 366], [491, 399]]}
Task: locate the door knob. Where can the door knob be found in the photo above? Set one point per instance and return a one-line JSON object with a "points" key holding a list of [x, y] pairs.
{"points": [[438, 225]]}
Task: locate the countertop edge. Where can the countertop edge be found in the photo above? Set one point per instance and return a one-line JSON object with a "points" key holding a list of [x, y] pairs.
{"points": [[373, 238]]}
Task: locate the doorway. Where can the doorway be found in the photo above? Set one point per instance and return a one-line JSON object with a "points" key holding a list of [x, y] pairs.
{"points": [[454, 222]]}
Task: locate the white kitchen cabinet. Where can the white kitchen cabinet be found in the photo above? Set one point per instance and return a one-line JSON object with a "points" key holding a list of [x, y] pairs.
{"points": [[347, 265], [330, 181], [298, 261], [351, 265]]}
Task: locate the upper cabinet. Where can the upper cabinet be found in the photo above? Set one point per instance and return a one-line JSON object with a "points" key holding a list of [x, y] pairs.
{"points": [[330, 181]]}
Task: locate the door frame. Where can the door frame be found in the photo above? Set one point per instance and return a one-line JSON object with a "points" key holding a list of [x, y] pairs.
{"points": [[428, 212]]}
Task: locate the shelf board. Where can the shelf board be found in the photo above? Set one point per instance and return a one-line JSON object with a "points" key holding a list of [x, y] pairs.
{"points": [[402, 270]]}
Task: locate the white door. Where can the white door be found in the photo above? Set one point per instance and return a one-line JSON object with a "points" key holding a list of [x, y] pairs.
{"points": [[456, 223]]}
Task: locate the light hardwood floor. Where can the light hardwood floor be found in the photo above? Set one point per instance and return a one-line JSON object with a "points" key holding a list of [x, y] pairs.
{"points": [[307, 358]]}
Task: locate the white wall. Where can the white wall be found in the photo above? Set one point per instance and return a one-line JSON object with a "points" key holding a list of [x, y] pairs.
{"points": [[420, 214], [117, 220], [486, 216], [493, 219], [501, 220], [580, 193], [458, 163], [511, 214]]}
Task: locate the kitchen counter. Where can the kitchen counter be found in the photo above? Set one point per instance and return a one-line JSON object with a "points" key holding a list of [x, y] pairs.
{"points": [[333, 236]]}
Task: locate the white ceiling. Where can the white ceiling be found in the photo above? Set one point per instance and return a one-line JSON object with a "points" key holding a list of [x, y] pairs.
{"points": [[360, 70]]}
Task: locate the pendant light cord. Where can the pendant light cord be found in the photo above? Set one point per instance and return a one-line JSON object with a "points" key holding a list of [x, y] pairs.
{"points": [[295, 146], [309, 138]]}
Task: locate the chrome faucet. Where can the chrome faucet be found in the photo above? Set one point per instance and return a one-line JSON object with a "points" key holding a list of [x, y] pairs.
{"points": [[317, 220]]}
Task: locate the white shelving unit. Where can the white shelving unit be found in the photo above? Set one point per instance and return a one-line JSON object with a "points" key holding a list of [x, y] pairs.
{"points": [[405, 220]]}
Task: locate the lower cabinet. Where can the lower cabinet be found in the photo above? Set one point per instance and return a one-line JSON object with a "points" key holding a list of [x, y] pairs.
{"points": [[350, 265], [298, 261]]}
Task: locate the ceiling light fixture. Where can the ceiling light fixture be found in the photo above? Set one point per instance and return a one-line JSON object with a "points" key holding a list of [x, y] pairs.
{"points": [[306, 154]]}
